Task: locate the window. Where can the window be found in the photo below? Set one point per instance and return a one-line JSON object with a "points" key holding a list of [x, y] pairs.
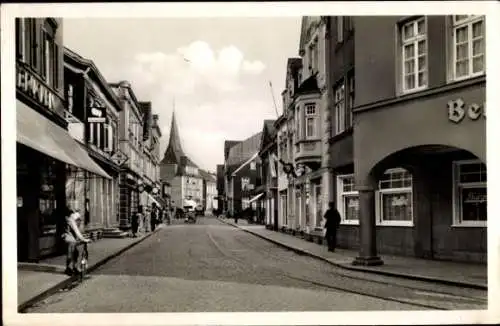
{"points": [[348, 199], [350, 100], [469, 193], [21, 39], [414, 52], [468, 46], [48, 55], [310, 120], [395, 198], [253, 166], [340, 29], [340, 108], [319, 202]]}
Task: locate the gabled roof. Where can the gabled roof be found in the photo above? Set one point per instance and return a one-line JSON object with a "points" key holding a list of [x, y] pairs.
{"points": [[227, 146], [207, 176], [75, 58], [268, 133], [242, 151]]}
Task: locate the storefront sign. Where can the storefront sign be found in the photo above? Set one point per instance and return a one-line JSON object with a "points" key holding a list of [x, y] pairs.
{"points": [[457, 110], [30, 85]]}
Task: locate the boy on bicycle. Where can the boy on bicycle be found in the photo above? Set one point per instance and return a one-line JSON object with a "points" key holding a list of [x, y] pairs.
{"points": [[72, 236]]}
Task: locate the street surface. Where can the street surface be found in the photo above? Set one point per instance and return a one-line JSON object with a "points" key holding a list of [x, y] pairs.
{"points": [[213, 267]]}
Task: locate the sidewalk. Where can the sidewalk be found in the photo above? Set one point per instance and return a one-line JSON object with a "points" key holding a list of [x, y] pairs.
{"points": [[36, 281], [462, 274]]}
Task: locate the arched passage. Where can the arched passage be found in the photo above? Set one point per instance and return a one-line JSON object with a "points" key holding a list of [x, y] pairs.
{"points": [[425, 201]]}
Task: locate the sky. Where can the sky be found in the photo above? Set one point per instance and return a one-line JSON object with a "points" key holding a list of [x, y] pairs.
{"points": [[215, 71]]}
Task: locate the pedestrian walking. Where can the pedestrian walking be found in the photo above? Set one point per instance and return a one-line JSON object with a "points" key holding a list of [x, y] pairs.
{"points": [[332, 223], [71, 236]]}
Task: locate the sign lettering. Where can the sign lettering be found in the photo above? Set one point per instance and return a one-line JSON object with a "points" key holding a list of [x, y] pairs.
{"points": [[457, 110], [31, 86]]}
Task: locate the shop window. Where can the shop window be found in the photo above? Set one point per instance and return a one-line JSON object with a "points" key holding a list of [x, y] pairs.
{"points": [[395, 198], [47, 202], [469, 56], [75, 188], [347, 199], [414, 55], [469, 194]]}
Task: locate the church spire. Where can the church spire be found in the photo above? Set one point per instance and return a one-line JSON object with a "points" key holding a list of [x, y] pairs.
{"points": [[174, 151]]}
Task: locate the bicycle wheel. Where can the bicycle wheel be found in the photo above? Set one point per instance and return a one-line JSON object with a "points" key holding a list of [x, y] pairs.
{"points": [[84, 263]]}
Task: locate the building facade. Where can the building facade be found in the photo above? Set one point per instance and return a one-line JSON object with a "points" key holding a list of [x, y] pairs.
{"points": [[398, 189], [241, 174], [130, 151], [423, 191], [42, 137], [180, 171], [209, 192], [93, 119], [269, 174]]}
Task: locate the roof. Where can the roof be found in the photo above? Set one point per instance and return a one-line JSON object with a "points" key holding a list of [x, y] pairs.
{"points": [[244, 150], [110, 93], [207, 176], [310, 85], [227, 146]]}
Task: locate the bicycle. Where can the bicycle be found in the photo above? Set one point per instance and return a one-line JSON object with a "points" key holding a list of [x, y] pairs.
{"points": [[84, 261]]}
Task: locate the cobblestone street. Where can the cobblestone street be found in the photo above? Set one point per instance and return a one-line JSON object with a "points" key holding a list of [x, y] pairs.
{"points": [[210, 267]]}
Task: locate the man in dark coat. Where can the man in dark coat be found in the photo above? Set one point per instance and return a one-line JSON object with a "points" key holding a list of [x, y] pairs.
{"points": [[332, 217]]}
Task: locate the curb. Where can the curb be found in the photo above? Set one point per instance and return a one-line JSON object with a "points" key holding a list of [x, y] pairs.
{"points": [[359, 269], [50, 291]]}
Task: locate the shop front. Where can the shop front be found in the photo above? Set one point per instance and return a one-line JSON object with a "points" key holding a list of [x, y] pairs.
{"points": [[423, 194], [45, 152]]}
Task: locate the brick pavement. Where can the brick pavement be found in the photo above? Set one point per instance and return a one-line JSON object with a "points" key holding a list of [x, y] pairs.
{"points": [[473, 275], [36, 279]]}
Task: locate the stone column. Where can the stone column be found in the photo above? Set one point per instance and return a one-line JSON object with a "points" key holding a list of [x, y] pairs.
{"points": [[367, 229]]}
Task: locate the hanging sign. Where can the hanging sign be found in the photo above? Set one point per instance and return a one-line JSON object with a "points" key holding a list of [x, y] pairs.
{"points": [[97, 111], [119, 158]]}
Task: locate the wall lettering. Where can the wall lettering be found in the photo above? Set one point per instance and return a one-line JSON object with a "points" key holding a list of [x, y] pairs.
{"points": [[34, 88], [458, 110]]}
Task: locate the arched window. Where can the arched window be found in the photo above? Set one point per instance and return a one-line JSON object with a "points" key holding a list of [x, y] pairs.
{"points": [[394, 201]]}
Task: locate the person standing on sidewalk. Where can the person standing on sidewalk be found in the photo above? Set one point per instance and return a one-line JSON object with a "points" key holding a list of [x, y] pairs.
{"points": [[71, 236], [332, 223], [136, 218], [153, 217]]}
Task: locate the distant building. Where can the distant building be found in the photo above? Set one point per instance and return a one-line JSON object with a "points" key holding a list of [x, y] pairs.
{"points": [[180, 171], [209, 192], [241, 173]]}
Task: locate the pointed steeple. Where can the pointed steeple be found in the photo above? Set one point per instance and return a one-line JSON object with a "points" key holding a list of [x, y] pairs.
{"points": [[174, 151]]}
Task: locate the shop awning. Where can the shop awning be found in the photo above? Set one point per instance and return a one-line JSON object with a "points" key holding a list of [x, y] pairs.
{"points": [[256, 197], [41, 134]]}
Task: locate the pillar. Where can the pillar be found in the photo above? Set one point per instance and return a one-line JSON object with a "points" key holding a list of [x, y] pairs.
{"points": [[367, 229]]}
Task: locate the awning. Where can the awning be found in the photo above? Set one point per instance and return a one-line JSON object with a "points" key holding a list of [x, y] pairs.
{"points": [[256, 197], [154, 200], [41, 134]]}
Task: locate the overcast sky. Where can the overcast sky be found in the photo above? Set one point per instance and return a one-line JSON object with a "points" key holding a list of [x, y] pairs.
{"points": [[221, 92]]}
